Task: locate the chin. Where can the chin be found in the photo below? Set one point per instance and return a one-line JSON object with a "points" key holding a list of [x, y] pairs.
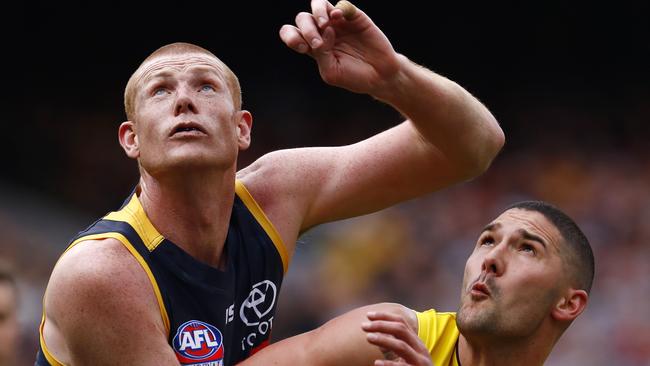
{"points": [[202, 163], [476, 317], [202, 157], [189, 163]]}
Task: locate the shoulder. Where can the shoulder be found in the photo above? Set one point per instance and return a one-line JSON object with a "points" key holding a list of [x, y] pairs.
{"points": [[283, 183], [284, 168], [93, 277], [268, 170], [94, 262], [99, 299]]}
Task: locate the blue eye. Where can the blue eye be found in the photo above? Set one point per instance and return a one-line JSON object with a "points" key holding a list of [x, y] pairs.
{"points": [[160, 91], [207, 88]]}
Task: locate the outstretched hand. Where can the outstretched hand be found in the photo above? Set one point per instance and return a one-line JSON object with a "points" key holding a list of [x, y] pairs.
{"points": [[397, 341], [350, 50]]}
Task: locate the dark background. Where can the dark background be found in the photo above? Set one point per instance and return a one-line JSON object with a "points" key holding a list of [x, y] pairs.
{"points": [[555, 75]]}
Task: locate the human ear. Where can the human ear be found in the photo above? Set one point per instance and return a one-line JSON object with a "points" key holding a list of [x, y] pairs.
{"points": [[129, 139], [244, 125], [569, 306]]}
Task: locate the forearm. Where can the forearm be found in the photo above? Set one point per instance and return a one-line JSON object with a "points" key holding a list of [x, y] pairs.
{"points": [[340, 341], [326, 346], [447, 116], [290, 351]]}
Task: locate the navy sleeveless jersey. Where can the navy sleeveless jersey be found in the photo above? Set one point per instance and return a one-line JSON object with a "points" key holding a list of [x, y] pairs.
{"points": [[213, 317]]}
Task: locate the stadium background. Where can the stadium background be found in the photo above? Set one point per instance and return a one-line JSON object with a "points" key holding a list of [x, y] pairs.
{"points": [[569, 84]]}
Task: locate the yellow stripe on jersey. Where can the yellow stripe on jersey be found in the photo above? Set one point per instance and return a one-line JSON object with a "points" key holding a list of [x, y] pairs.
{"points": [[143, 263], [134, 214], [264, 221], [161, 304], [48, 356], [439, 333]]}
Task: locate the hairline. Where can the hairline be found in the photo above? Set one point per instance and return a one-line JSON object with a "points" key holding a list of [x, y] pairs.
{"points": [[132, 85]]}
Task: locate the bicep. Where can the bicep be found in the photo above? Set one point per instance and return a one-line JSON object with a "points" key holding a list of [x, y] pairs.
{"points": [[393, 166], [301, 188], [99, 304]]}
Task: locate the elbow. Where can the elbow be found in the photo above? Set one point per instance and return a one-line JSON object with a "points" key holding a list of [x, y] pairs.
{"points": [[493, 145], [485, 151]]}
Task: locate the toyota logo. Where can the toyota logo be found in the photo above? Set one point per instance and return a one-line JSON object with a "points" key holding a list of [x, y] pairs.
{"points": [[259, 302]]}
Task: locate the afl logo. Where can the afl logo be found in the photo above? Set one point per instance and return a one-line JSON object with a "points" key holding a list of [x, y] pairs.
{"points": [[198, 343]]}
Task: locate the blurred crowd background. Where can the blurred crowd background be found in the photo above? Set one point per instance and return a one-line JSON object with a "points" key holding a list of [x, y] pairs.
{"points": [[570, 86]]}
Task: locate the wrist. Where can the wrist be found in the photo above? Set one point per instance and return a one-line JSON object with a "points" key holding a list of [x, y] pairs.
{"points": [[392, 86]]}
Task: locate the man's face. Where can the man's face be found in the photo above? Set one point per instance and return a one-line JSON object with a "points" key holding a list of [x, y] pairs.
{"points": [[513, 278], [8, 323], [184, 114]]}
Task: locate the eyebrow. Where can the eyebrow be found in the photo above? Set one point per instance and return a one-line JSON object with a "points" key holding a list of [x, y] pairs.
{"points": [[523, 232], [491, 227], [529, 236], [157, 75], [163, 74]]}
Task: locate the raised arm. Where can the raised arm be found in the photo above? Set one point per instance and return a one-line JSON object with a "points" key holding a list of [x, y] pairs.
{"points": [[448, 136], [101, 310]]}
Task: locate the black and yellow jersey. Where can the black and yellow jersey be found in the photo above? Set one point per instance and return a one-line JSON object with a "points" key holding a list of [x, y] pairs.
{"points": [[213, 317], [440, 335]]}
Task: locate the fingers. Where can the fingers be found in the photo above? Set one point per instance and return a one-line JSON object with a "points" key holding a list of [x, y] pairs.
{"points": [[391, 333], [291, 36], [348, 10], [406, 354], [312, 32], [389, 363], [305, 35], [320, 10], [381, 315], [394, 347], [309, 30], [390, 323]]}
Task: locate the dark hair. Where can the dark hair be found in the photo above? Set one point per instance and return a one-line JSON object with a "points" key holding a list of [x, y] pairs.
{"points": [[580, 257]]}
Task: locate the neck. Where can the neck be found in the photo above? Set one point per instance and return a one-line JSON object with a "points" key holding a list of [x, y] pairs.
{"points": [[192, 210], [504, 352]]}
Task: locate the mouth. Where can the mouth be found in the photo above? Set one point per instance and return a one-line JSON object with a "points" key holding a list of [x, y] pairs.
{"points": [[479, 290], [187, 128]]}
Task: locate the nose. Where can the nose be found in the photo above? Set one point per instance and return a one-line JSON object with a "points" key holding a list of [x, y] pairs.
{"points": [[184, 102], [494, 261]]}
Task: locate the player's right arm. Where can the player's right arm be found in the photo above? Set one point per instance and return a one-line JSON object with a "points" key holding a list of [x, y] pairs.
{"points": [[100, 309]]}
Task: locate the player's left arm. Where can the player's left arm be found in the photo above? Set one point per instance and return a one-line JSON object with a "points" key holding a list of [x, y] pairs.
{"points": [[340, 341], [448, 136]]}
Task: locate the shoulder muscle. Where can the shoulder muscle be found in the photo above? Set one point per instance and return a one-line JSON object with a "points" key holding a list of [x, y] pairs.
{"points": [[103, 307]]}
